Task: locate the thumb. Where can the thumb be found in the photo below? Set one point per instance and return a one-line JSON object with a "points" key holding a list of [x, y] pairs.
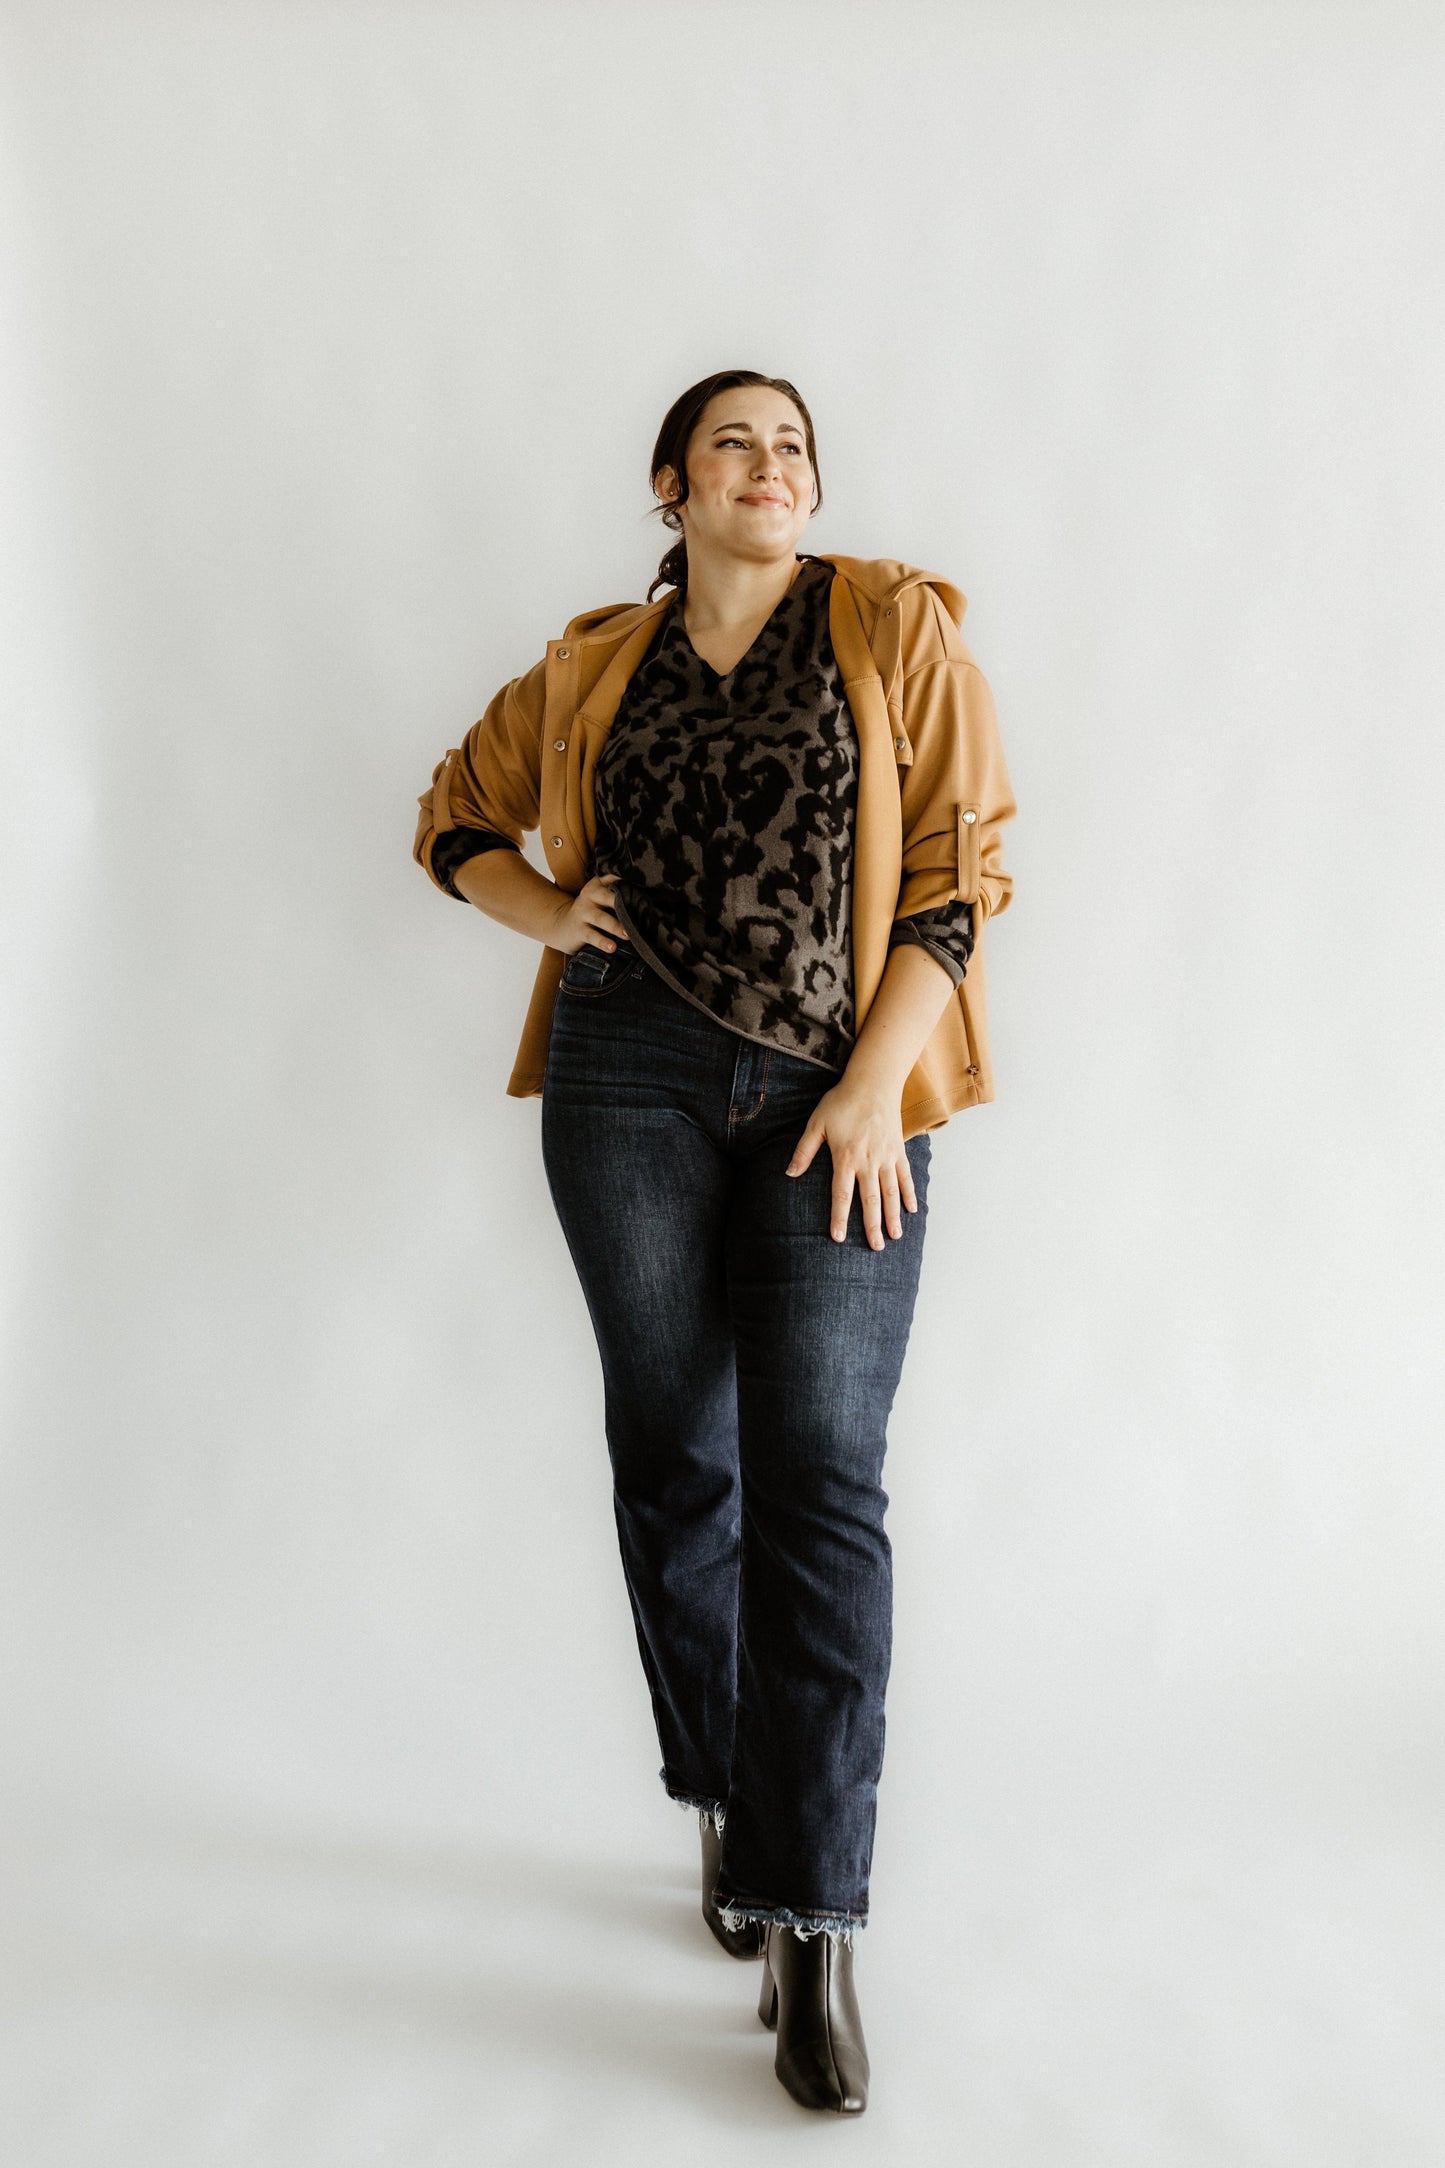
{"points": [[805, 1150]]}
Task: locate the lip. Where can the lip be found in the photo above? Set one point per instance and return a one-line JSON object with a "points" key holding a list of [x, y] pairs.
{"points": [[755, 498]]}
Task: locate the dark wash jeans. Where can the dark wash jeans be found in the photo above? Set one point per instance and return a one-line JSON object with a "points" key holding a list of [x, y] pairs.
{"points": [[749, 1364]]}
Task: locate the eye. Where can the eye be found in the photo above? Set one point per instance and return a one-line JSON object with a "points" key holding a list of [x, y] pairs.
{"points": [[787, 446]]}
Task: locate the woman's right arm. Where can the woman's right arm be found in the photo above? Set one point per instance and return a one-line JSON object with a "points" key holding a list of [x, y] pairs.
{"points": [[489, 789], [508, 888]]}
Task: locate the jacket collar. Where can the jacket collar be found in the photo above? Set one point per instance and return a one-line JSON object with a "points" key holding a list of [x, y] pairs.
{"points": [[879, 579]]}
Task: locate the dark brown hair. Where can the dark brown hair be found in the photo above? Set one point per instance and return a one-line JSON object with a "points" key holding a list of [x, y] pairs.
{"points": [[670, 450]]}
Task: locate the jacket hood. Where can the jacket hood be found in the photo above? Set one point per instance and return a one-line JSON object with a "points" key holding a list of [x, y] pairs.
{"points": [[879, 578]]}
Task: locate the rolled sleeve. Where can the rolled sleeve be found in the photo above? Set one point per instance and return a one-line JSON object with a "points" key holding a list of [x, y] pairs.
{"points": [[450, 852], [946, 933], [491, 783]]}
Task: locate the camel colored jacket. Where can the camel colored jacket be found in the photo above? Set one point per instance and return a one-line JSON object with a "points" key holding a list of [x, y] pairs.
{"points": [[933, 792]]}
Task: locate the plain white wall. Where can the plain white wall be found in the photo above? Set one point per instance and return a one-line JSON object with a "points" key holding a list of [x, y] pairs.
{"points": [[335, 343]]}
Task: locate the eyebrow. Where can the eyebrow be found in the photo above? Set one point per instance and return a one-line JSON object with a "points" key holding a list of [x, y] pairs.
{"points": [[791, 427]]}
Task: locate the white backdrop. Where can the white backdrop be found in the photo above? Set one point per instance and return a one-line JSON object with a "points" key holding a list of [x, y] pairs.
{"points": [[335, 342]]}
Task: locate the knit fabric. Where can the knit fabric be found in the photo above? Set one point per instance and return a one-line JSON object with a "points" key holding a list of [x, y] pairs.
{"points": [[725, 804]]}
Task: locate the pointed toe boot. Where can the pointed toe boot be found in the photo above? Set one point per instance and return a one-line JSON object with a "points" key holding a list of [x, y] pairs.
{"points": [[808, 1995], [744, 1941]]}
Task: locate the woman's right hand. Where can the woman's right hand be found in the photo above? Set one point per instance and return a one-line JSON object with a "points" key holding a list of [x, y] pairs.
{"points": [[588, 916]]}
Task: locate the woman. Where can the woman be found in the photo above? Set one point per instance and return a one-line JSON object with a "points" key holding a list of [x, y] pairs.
{"points": [[774, 802]]}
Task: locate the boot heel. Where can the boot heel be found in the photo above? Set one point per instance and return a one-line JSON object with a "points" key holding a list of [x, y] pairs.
{"points": [[768, 1999]]}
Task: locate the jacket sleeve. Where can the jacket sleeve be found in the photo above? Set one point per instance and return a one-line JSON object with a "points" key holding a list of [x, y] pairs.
{"points": [[955, 789], [490, 784]]}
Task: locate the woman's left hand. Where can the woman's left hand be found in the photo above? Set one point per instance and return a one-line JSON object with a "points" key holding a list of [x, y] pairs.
{"points": [[863, 1129]]}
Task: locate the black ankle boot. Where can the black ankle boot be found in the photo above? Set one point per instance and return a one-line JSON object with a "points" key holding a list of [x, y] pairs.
{"points": [[744, 1941], [808, 1994]]}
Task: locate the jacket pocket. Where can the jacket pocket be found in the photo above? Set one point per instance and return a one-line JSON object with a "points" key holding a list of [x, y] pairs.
{"points": [[968, 826]]}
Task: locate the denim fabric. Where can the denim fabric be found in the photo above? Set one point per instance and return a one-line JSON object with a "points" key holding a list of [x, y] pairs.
{"points": [[749, 1366]]}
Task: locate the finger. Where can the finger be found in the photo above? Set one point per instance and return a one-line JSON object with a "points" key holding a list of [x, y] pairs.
{"points": [[805, 1150], [892, 1215], [606, 925], [842, 1202], [905, 1183], [872, 1208]]}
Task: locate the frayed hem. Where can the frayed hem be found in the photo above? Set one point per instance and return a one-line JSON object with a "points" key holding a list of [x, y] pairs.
{"points": [[707, 1810], [842, 1926]]}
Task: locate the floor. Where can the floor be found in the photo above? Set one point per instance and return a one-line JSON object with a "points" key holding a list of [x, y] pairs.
{"points": [[1209, 1974]]}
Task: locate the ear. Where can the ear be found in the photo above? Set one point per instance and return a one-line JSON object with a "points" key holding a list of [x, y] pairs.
{"points": [[665, 486]]}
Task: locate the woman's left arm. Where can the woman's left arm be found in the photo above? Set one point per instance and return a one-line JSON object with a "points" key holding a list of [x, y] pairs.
{"points": [[956, 798], [860, 1119]]}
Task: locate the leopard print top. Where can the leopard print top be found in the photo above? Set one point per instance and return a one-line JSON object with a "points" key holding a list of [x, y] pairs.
{"points": [[725, 804]]}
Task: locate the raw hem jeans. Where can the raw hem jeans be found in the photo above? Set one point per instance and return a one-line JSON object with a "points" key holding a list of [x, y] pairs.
{"points": [[749, 1367]]}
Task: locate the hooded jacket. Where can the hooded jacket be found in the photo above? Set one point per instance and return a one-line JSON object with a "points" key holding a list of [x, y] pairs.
{"points": [[933, 792]]}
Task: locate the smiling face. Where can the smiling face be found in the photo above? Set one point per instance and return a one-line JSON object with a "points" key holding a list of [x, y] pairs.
{"points": [[750, 481]]}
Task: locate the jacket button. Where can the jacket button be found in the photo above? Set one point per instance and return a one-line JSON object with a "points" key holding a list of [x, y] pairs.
{"points": [[559, 745], [973, 1068], [969, 818], [900, 743], [563, 653], [556, 843]]}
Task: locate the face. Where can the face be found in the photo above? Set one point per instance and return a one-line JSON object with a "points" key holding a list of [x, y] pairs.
{"points": [[750, 481]]}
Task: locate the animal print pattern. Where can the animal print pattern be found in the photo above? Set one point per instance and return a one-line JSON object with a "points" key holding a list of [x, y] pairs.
{"points": [[726, 806]]}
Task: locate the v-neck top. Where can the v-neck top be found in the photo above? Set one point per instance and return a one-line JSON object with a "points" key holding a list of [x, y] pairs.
{"points": [[725, 804]]}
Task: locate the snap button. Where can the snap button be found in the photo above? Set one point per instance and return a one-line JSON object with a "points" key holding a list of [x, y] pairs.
{"points": [[556, 843], [970, 817], [900, 743], [563, 653], [559, 745]]}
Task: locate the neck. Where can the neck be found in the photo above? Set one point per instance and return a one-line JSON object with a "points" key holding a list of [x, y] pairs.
{"points": [[724, 591]]}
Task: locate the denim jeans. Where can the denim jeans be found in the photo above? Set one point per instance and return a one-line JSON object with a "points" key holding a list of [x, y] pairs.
{"points": [[749, 1367]]}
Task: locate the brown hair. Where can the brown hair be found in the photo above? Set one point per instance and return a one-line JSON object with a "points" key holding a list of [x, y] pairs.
{"points": [[670, 450]]}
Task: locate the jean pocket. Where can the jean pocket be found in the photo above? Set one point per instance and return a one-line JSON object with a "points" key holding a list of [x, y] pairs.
{"points": [[590, 971]]}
